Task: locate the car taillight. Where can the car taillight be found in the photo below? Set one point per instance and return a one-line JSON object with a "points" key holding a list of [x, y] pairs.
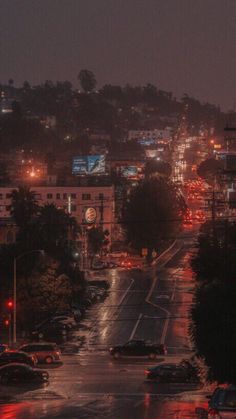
{"points": [[146, 372], [213, 414], [58, 353]]}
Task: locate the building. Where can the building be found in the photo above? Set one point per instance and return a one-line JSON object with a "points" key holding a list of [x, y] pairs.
{"points": [[227, 176], [150, 135], [90, 205]]}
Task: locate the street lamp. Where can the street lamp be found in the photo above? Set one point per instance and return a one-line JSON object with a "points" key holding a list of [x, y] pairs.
{"points": [[14, 288]]}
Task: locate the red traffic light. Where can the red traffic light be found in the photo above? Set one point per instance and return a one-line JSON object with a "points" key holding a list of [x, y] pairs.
{"points": [[10, 304]]}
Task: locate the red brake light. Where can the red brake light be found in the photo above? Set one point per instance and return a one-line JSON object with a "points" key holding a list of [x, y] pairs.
{"points": [[213, 414]]}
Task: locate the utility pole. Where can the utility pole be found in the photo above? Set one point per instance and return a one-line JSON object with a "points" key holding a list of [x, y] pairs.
{"points": [[101, 208]]}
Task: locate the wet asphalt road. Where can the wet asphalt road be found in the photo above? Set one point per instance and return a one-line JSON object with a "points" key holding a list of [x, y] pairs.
{"points": [[151, 305]]}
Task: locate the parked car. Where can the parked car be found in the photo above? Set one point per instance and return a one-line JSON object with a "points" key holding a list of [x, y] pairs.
{"points": [[103, 283], [45, 352], [222, 404], [138, 348], [54, 331], [66, 320], [22, 374], [20, 357], [183, 372], [75, 313]]}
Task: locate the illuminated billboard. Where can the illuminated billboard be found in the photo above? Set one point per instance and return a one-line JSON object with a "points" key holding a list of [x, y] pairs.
{"points": [[129, 171], [146, 141], [88, 165]]}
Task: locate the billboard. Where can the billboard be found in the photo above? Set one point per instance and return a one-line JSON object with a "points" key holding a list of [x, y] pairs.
{"points": [[129, 171], [146, 141], [90, 215], [88, 165]]}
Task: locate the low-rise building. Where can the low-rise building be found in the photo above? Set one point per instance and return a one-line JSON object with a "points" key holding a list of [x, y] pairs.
{"points": [[88, 204]]}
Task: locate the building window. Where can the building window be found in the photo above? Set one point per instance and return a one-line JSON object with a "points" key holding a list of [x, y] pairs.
{"points": [[65, 196], [1, 196], [73, 208], [8, 195], [49, 196], [58, 196], [73, 195], [86, 196], [101, 196], [2, 208]]}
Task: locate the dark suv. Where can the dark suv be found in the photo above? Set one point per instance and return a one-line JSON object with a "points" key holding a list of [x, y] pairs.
{"points": [[19, 357], [138, 348], [45, 352]]}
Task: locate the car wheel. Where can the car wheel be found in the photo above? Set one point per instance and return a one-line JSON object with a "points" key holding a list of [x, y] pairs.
{"points": [[116, 355], [48, 360], [153, 356]]}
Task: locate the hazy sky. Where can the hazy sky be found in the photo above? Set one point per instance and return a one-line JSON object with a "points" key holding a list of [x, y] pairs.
{"points": [[183, 46]]}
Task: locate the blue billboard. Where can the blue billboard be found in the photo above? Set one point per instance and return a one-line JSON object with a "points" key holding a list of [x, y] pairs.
{"points": [[88, 165], [146, 141], [129, 171]]}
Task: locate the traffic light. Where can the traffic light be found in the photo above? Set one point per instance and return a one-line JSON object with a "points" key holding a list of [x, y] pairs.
{"points": [[10, 304]]}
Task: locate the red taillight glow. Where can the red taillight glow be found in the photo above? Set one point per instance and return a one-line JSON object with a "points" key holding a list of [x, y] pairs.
{"points": [[146, 372], [213, 414]]}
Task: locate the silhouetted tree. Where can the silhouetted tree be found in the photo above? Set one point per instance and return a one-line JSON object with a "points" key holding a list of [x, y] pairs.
{"points": [[87, 80]]}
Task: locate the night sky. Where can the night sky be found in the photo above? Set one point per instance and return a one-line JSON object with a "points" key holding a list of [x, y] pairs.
{"points": [[183, 46]]}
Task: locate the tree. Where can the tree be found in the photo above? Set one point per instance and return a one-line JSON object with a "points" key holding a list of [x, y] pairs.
{"points": [[54, 228], [157, 167], [24, 206], [153, 212], [208, 169], [87, 80], [214, 312], [97, 238], [42, 293]]}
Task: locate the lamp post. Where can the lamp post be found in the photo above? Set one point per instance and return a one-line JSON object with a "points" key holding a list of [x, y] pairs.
{"points": [[14, 288]]}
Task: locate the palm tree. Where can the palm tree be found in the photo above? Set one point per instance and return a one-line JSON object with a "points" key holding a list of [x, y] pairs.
{"points": [[24, 206]]}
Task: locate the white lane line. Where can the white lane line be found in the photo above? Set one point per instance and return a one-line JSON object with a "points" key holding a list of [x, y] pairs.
{"points": [[173, 293], [119, 305], [136, 326], [126, 292], [167, 312]]}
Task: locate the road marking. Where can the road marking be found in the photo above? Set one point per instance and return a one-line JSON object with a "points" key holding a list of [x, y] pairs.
{"points": [[173, 294], [136, 326], [119, 305], [167, 312]]}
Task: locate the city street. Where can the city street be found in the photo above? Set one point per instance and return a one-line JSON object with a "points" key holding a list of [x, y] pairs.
{"points": [[151, 305]]}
